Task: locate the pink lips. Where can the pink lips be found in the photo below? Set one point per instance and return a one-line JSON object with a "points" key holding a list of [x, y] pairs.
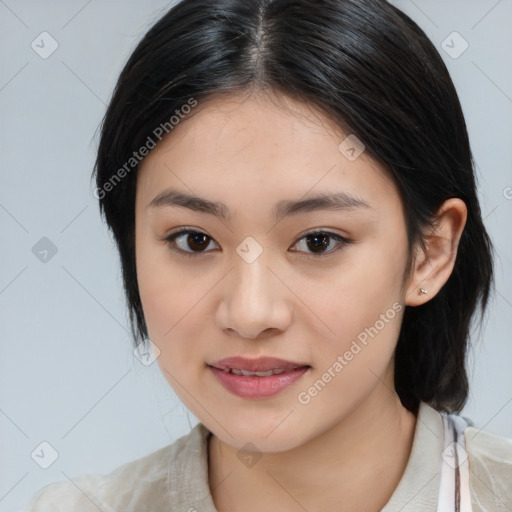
{"points": [[254, 386]]}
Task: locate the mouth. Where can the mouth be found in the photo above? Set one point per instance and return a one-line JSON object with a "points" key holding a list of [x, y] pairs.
{"points": [[257, 378], [261, 367], [239, 371]]}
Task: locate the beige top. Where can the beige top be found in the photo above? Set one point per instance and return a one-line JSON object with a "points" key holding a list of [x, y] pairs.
{"points": [[175, 478]]}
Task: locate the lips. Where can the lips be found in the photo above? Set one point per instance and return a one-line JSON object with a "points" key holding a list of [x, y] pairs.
{"points": [[255, 379], [262, 364]]}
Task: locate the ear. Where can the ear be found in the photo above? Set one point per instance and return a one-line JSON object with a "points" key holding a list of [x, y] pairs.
{"points": [[433, 267]]}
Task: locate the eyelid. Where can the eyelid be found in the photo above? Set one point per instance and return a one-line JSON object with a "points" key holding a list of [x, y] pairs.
{"points": [[186, 229]]}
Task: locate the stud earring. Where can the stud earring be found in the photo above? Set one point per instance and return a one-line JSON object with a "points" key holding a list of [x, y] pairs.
{"points": [[422, 290]]}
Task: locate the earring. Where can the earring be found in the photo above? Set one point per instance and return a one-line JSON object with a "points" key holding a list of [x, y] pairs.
{"points": [[422, 290]]}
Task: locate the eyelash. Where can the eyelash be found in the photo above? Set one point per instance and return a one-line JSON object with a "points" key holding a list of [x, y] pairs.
{"points": [[171, 238]]}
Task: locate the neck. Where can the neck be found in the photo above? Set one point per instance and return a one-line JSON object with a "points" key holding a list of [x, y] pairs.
{"points": [[372, 447]]}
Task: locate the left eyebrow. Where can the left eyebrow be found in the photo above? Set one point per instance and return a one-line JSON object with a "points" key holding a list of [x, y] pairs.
{"points": [[340, 201], [337, 201]]}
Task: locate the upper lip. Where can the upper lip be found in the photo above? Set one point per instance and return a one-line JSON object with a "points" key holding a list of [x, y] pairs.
{"points": [[262, 364]]}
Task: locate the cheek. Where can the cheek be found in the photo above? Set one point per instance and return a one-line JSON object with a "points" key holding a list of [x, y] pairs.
{"points": [[359, 290], [168, 301], [163, 290], [171, 302], [360, 304], [170, 322]]}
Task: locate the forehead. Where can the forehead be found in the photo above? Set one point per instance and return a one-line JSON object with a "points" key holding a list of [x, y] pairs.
{"points": [[260, 148]]}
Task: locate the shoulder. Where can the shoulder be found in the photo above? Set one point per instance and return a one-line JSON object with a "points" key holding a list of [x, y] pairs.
{"points": [[146, 481], [76, 494], [490, 470]]}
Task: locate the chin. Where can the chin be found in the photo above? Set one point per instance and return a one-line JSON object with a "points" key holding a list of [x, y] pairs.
{"points": [[259, 438]]}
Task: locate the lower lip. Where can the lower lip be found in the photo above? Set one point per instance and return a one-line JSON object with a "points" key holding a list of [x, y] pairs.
{"points": [[252, 386]]}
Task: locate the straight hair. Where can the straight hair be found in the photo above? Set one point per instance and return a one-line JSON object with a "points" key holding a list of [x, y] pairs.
{"points": [[373, 72]]}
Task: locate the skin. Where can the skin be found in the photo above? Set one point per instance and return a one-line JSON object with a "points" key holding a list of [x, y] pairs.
{"points": [[249, 152]]}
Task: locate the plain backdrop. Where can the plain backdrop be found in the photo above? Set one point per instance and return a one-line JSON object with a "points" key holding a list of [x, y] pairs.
{"points": [[68, 374]]}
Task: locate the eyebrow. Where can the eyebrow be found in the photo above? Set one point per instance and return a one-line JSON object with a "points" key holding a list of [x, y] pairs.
{"points": [[331, 202]]}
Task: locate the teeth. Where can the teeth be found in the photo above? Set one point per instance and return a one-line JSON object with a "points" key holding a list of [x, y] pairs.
{"points": [[277, 371]]}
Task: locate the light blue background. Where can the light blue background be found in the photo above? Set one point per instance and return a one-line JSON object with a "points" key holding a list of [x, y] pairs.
{"points": [[68, 375]]}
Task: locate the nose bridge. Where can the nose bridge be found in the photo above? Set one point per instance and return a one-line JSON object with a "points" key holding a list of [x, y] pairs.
{"points": [[252, 300], [251, 277]]}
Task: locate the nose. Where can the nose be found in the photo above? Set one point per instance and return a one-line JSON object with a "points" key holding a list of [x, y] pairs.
{"points": [[255, 302]]}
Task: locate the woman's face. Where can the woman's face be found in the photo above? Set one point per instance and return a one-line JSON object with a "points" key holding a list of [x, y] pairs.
{"points": [[255, 283]]}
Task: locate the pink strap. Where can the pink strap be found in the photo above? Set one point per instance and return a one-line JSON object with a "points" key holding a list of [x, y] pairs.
{"points": [[454, 490]]}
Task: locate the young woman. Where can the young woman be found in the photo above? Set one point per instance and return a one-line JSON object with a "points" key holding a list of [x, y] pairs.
{"points": [[291, 189]]}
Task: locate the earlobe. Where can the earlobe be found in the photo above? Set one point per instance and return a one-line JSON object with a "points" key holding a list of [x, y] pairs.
{"points": [[434, 265]]}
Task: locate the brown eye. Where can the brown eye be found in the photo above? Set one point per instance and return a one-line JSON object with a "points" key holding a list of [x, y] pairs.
{"points": [[197, 241], [188, 242], [317, 243]]}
